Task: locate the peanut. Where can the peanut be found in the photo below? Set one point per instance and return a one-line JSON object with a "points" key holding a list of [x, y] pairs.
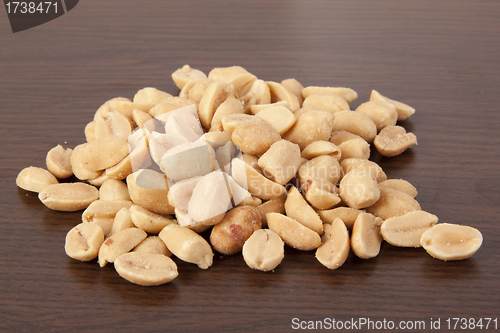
{"points": [[118, 244], [263, 250], [366, 238], [35, 179], [293, 233], [83, 241], [58, 162], [146, 269], [68, 197], [281, 161], [334, 250], [393, 140], [406, 230]]}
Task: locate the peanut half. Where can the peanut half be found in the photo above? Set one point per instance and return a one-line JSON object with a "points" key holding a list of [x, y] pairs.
{"points": [[146, 269], [335, 248], [406, 230], [263, 250]]}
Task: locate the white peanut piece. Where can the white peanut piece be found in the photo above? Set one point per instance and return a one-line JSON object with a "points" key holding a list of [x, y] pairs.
{"points": [[447, 241], [263, 250]]}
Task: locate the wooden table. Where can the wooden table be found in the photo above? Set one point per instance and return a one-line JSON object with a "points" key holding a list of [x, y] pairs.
{"points": [[441, 57]]}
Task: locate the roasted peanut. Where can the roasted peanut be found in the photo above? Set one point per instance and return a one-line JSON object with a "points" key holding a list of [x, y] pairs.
{"points": [[150, 96], [118, 244], [149, 189], [350, 145], [152, 244], [281, 161], [321, 194], [321, 147], [280, 93], [370, 167], [187, 245], [393, 140], [224, 74], [68, 197], [293, 233], [255, 138], [111, 122], [347, 93], [366, 238], [334, 250], [35, 179], [146, 269], [58, 162], [359, 188], [229, 235], [122, 221], [447, 241], [263, 250], [112, 190], [356, 123], [382, 113], [323, 167], [309, 127], [276, 205], [185, 74], [295, 87], [213, 96], [297, 208], [328, 102], [148, 221], [230, 106], [404, 111], [83, 241], [279, 117], [406, 230], [103, 213], [347, 214], [400, 185], [256, 108], [392, 203], [231, 121]]}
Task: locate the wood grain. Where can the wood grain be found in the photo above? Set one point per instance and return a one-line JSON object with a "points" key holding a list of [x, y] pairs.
{"points": [[441, 57]]}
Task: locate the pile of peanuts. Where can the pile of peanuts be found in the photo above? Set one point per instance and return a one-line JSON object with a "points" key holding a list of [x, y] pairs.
{"points": [[257, 164]]}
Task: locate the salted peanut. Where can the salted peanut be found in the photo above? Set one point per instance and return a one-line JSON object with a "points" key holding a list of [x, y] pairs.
{"points": [[258, 185], [187, 245], [214, 95], [214, 137], [210, 198], [83, 241], [148, 221], [250, 200], [195, 91], [404, 111], [359, 188], [189, 160], [90, 131], [149, 189], [279, 116], [103, 213], [347, 93], [347, 214], [255, 138], [366, 238], [180, 193], [143, 120], [264, 250], [35, 179], [113, 147], [393, 140], [184, 220], [406, 230], [355, 122], [309, 127], [280, 93], [258, 94], [68, 197], [229, 235], [328, 102], [334, 250], [297, 208], [58, 162], [381, 112], [242, 83], [224, 74], [323, 167], [281, 161], [400, 185], [146, 269], [138, 158], [122, 221], [111, 122], [447, 241], [163, 107], [370, 167], [118, 244], [276, 205], [230, 122], [112, 190], [392, 203], [295, 87], [254, 109], [293, 233], [321, 196], [321, 147], [351, 145], [150, 96], [97, 182], [230, 106], [152, 244], [185, 74]]}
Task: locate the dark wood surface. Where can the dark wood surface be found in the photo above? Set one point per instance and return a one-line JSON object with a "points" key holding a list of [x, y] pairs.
{"points": [[442, 57]]}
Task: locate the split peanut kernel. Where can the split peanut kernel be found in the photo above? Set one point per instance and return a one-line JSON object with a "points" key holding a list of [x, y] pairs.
{"points": [[393, 140], [380, 112], [263, 250], [120, 243], [103, 213], [59, 162], [404, 111], [293, 233], [406, 230], [328, 102], [451, 241], [112, 190], [148, 221], [146, 269], [321, 147], [400, 185], [297, 208], [255, 138], [35, 179], [281, 161], [68, 197], [392, 203], [347, 93], [359, 189], [279, 117], [185, 74], [347, 214], [366, 238], [335, 246], [83, 241], [152, 244], [356, 123]]}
